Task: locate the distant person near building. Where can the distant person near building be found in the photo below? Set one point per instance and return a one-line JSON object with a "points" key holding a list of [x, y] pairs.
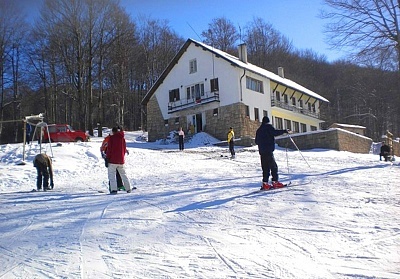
{"points": [[231, 136], [181, 135]]}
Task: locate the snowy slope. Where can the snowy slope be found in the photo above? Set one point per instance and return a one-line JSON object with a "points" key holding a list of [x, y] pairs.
{"points": [[199, 215]]}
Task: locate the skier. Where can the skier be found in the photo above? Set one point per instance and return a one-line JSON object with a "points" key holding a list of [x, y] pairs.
{"points": [[44, 168], [385, 151], [231, 136], [115, 155], [103, 150], [265, 139]]}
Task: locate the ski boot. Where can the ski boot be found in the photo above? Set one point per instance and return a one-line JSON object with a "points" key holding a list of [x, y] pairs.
{"points": [[265, 186], [277, 184]]}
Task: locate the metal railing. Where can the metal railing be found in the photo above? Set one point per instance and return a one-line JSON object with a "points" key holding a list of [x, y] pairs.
{"points": [[275, 103], [181, 104]]}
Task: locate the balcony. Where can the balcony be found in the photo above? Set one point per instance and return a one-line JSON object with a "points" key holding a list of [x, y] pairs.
{"points": [[182, 104], [286, 106]]}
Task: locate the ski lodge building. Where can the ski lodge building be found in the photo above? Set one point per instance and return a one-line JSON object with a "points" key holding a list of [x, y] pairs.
{"points": [[205, 89]]}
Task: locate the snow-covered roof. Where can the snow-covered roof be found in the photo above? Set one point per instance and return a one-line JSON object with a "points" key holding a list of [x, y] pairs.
{"points": [[349, 126], [235, 61], [263, 72]]}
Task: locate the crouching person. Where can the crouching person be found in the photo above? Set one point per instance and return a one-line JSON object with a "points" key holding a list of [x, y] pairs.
{"points": [[44, 168], [385, 152]]}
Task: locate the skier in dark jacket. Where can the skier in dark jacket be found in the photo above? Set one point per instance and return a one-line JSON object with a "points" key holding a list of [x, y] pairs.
{"points": [[265, 139], [385, 152], [44, 168]]}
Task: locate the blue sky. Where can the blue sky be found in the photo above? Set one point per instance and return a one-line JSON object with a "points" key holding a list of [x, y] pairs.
{"points": [[296, 19]]}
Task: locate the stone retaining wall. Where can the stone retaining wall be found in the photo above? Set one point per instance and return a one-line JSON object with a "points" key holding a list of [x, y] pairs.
{"points": [[336, 139]]}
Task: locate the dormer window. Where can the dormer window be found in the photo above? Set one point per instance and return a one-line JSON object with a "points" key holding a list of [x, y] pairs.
{"points": [[192, 66]]}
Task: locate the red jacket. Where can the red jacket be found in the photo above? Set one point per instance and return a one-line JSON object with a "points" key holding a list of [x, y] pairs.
{"points": [[116, 148]]}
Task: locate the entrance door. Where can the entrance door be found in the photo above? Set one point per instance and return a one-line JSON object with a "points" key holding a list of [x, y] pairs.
{"points": [[199, 123]]}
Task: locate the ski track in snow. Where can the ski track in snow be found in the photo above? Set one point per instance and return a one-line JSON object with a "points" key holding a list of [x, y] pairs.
{"points": [[196, 214]]}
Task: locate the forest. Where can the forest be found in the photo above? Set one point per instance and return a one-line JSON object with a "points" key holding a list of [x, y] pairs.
{"points": [[88, 63]]}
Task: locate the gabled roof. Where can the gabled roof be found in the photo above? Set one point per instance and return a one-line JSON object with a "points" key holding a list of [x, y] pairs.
{"points": [[234, 61]]}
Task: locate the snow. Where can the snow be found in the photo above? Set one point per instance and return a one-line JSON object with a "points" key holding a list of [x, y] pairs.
{"points": [[198, 214]]}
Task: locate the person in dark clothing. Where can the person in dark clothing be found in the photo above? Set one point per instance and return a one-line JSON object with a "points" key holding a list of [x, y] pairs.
{"points": [[181, 135], [265, 139], [385, 152], [28, 131], [44, 168]]}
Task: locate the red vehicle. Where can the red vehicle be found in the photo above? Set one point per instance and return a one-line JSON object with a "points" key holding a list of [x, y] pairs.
{"points": [[63, 133]]}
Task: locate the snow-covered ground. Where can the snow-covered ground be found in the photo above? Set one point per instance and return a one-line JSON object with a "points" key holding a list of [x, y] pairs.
{"points": [[198, 214]]}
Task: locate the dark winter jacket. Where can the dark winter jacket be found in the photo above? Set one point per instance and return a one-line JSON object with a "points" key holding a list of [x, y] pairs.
{"points": [[116, 148], [265, 137]]}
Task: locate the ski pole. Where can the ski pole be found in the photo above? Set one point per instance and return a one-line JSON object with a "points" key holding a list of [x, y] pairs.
{"points": [[287, 158], [299, 150]]}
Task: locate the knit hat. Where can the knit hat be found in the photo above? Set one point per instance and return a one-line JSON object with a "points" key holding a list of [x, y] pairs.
{"points": [[265, 120]]}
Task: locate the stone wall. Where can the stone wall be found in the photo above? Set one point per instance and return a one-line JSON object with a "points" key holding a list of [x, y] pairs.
{"points": [[230, 116], [155, 121], [336, 139]]}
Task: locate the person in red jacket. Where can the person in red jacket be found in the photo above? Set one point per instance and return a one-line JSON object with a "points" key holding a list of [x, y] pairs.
{"points": [[115, 154], [103, 150]]}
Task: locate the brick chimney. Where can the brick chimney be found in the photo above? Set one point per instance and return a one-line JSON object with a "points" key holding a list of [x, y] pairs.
{"points": [[243, 52]]}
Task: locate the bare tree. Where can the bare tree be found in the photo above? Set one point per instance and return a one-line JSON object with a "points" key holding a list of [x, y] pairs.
{"points": [[221, 34], [267, 47], [12, 31], [370, 29]]}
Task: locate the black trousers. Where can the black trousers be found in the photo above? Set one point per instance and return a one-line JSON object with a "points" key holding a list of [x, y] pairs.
{"points": [[232, 147], [42, 177], [269, 166], [181, 146]]}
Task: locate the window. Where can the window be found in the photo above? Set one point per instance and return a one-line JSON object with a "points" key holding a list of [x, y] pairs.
{"points": [[288, 124], [309, 106], [285, 98], [255, 85], [192, 66], [176, 120], [174, 95], [195, 91], [313, 107], [293, 101], [301, 103], [278, 123], [265, 113], [215, 112], [247, 111], [303, 127], [277, 95], [296, 126], [256, 114], [313, 128], [214, 85], [166, 122]]}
